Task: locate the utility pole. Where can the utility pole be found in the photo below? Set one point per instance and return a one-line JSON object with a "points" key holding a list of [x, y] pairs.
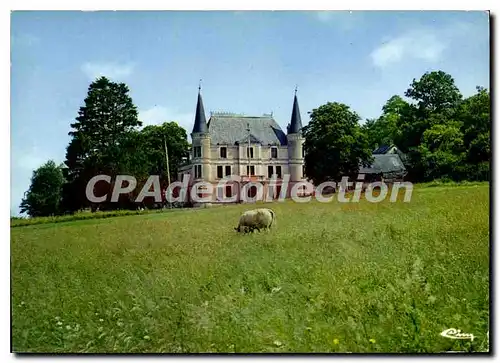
{"points": [[248, 150], [168, 167]]}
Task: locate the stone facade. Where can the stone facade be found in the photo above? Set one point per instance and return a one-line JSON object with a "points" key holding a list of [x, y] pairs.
{"points": [[251, 148]]}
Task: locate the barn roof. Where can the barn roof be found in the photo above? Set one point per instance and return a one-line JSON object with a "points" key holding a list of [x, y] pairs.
{"points": [[384, 163]]}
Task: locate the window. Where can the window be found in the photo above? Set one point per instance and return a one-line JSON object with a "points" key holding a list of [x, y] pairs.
{"points": [[250, 170], [303, 171], [252, 191], [228, 170], [197, 151], [270, 171], [219, 172], [229, 191], [201, 191], [250, 152], [197, 171], [223, 152], [278, 170], [303, 152], [274, 153]]}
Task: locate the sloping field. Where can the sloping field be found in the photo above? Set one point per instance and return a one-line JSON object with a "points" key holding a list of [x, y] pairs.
{"points": [[330, 277]]}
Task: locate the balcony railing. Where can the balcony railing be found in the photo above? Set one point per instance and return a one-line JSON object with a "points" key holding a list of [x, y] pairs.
{"points": [[253, 178]]}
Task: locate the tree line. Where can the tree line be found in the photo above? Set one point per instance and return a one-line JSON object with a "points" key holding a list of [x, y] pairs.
{"points": [[107, 138], [442, 135]]}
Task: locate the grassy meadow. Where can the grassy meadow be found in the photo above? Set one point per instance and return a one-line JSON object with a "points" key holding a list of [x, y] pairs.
{"points": [[330, 277]]}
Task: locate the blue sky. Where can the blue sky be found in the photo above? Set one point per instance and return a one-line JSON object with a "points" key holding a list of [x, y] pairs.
{"points": [[250, 63]]}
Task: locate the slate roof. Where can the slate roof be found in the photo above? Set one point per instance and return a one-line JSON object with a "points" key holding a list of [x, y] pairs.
{"points": [[200, 122], [232, 129], [384, 163], [295, 125]]}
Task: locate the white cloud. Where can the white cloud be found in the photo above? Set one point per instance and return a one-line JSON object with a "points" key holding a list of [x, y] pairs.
{"points": [[111, 70], [24, 40], [324, 15], [343, 19], [158, 114], [30, 160], [421, 44], [24, 162]]}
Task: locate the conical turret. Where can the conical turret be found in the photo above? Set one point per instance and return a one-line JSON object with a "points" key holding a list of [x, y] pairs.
{"points": [[200, 122], [295, 126]]}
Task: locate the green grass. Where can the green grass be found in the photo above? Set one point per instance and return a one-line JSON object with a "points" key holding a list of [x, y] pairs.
{"points": [[22, 222], [355, 277]]}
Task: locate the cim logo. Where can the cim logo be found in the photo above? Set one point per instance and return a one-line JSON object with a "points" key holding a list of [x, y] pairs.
{"points": [[456, 334]]}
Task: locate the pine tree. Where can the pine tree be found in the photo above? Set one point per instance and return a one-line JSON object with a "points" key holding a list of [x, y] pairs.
{"points": [[105, 120]]}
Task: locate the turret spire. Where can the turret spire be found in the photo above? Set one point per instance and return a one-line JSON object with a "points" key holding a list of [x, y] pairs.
{"points": [[295, 122], [200, 122]]}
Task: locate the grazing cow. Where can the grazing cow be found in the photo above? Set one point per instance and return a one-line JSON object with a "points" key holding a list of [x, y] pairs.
{"points": [[261, 218]]}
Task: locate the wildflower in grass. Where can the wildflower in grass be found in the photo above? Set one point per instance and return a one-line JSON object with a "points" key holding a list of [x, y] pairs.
{"points": [[335, 341], [278, 343], [373, 341], [147, 337], [68, 327]]}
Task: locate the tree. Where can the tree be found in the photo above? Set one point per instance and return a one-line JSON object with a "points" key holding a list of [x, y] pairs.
{"points": [[442, 151], [43, 197], [155, 137], [382, 131], [335, 145], [143, 152], [434, 92], [102, 125], [436, 101], [474, 113]]}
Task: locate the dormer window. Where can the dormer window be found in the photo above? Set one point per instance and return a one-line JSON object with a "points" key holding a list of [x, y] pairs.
{"points": [[274, 153], [250, 152]]}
